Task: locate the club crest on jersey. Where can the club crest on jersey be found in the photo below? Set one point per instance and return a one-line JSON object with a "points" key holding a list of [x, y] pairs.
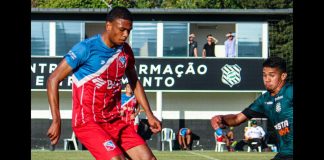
{"points": [[122, 60], [278, 107], [231, 74], [109, 145]]}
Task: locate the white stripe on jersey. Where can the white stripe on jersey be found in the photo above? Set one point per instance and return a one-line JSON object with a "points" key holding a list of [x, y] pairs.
{"points": [[82, 113], [87, 78], [104, 106], [93, 102], [127, 101]]}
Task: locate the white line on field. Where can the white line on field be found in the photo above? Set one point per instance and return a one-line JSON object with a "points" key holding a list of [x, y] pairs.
{"points": [[208, 157]]}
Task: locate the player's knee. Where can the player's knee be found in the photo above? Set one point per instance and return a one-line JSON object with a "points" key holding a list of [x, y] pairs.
{"points": [[147, 157], [118, 158]]}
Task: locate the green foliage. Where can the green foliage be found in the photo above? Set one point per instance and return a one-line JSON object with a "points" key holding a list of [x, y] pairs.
{"points": [[147, 3], [281, 42], [73, 4], [81, 3]]}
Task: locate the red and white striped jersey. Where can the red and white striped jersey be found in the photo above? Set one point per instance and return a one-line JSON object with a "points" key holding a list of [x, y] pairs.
{"points": [[97, 74]]}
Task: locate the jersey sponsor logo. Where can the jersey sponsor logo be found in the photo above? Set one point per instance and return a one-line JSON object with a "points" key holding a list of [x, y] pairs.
{"points": [[278, 98], [73, 56], [109, 145], [282, 127], [231, 74], [112, 84], [99, 82], [278, 107]]}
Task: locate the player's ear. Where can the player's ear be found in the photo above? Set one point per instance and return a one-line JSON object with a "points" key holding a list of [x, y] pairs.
{"points": [[284, 76], [108, 26]]}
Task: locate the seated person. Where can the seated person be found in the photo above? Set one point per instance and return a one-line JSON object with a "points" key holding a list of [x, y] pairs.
{"points": [[254, 134], [230, 140], [221, 136], [184, 138]]}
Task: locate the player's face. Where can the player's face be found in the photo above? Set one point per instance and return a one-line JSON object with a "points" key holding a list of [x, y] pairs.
{"points": [[273, 79], [119, 30]]}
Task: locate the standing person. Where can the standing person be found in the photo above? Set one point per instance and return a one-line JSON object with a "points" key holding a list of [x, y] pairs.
{"points": [[193, 51], [209, 47], [98, 65], [130, 108], [184, 138], [276, 104], [254, 133], [230, 45]]}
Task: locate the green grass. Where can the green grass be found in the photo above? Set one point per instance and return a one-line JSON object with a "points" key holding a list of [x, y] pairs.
{"points": [[166, 155]]}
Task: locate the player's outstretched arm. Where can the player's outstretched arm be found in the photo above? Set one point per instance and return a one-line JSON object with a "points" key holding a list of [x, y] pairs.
{"points": [[220, 121], [141, 98], [53, 81]]}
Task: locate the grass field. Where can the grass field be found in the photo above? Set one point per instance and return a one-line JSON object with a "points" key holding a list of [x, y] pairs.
{"points": [[160, 155]]}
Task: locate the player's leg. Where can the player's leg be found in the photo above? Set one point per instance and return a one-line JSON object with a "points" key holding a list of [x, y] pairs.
{"points": [[141, 152], [184, 143], [188, 140], [180, 141], [99, 143], [130, 142]]}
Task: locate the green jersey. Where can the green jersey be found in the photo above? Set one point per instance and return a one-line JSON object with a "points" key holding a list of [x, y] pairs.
{"points": [[279, 110]]}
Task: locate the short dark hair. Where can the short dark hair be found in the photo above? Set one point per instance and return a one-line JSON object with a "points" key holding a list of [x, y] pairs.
{"points": [[119, 13], [209, 35], [274, 62]]}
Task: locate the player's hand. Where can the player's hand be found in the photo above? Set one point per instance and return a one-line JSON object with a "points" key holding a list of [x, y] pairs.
{"points": [[54, 132], [216, 122], [155, 124]]}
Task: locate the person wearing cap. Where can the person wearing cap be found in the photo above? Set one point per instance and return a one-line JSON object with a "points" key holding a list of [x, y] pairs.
{"points": [[193, 51], [254, 133], [230, 45]]}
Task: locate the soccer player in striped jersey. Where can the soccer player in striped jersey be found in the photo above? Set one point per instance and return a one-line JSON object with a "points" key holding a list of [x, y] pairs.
{"points": [[129, 108], [98, 65], [276, 104]]}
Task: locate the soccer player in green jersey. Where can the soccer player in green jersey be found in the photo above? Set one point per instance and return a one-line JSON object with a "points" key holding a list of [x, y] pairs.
{"points": [[276, 104]]}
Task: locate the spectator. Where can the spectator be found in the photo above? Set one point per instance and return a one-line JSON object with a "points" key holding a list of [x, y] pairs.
{"points": [[209, 47], [254, 134], [230, 140], [130, 108], [193, 51], [184, 138], [230, 45]]}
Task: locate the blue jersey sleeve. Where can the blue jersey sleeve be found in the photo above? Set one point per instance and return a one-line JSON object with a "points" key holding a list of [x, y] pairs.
{"points": [[77, 55]]}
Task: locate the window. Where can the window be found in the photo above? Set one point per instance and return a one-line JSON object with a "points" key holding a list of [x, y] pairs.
{"points": [[143, 39], [67, 35], [175, 39], [249, 36], [39, 38]]}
